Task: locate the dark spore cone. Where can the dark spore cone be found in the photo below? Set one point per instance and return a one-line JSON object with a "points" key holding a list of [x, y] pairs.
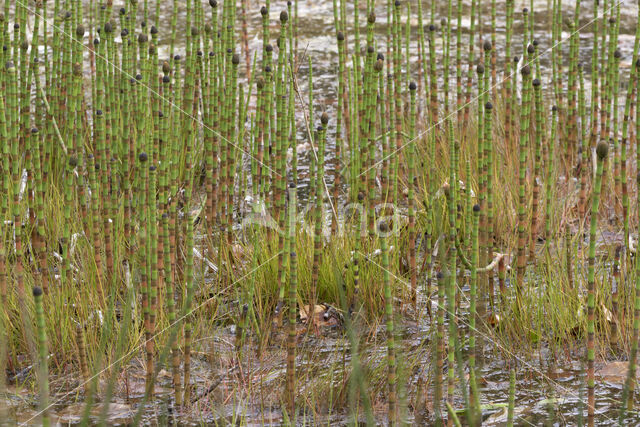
{"points": [[324, 118], [37, 291], [480, 69], [602, 149], [476, 208], [536, 82], [214, 3], [525, 70], [530, 49], [412, 86], [73, 161], [340, 36], [487, 46], [488, 106], [80, 31], [371, 19], [142, 157], [284, 16], [264, 11], [235, 59], [142, 38]]}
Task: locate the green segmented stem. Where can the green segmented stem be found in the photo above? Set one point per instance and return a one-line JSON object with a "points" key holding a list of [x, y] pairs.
{"points": [[628, 111], [616, 137], [481, 162], [42, 356], [595, 92], [601, 151], [537, 161], [473, 281], [434, 83], [318, 215], [94, 166], [188, 278], [629, 385], [152, 263], [512, 397], [440, 344], [584, 146], [523, 147], [606, 109], [280, 149], [472, 30], [39, 194], [411, 195], [630, 105], [487, 218], [145, 266], [459, 108], [574, 45], [356, 303], [550, 178], [171, 307], [391, 351], [293, 290], [451, 283], [373, 69], [7, 175], [489, 238]]}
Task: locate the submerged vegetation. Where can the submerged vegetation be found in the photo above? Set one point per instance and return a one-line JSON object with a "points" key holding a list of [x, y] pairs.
{"points": [[195, 231]]}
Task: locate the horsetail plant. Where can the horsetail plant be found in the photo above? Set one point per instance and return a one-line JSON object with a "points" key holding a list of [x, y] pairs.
{"points": [[601, 152]]}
